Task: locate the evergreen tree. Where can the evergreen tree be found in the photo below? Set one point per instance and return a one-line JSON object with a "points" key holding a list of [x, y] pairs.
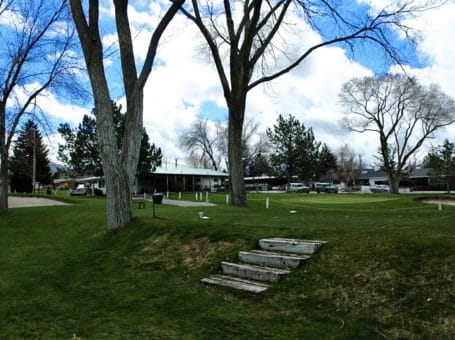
{"points": [[80, 153], [258, 165], [327, 164], [295, 150], [29, 141], [308, 155], [150, 156], [442, 163]]}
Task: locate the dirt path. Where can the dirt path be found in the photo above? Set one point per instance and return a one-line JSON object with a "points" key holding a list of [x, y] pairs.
{"points": [[23, 202], [442, 201]]}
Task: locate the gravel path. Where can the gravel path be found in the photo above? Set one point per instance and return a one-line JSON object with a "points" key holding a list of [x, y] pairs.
{"points": [[446, 202], [23, 202], [187, 204]]}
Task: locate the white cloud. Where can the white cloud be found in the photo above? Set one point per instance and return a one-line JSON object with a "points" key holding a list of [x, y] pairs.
{"points": [[310, 92], [54, 110], [177, 88], [47, 102], [436, 29], [66, 112], [52, 142], [183, 80]]}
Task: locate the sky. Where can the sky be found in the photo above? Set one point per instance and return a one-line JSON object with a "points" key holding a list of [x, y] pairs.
{"points": [[184, 85]]}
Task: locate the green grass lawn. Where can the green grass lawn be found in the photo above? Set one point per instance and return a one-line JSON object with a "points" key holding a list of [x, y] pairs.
{"points": [[387, 271]]}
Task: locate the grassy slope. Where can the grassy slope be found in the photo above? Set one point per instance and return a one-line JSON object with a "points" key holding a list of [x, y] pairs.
{"points": [[387, 271]]}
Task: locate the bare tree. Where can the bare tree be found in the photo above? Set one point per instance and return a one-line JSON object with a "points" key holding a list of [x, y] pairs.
{"points": [[403, 113], [199, 140], [252, 34], [249, 145], [119, 167], [348, 166], [5, 5], [35, 57]]}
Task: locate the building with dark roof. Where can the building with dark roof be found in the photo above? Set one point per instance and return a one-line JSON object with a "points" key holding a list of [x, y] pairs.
{"points": [[419, 177]]}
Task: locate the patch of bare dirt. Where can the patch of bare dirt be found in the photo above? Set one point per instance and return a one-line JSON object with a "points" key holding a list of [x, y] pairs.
{"points": [[192, 254], [196, 252]]}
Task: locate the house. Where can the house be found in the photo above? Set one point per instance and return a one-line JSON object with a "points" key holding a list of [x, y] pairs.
{"points": [[181, 178], [166, 178], [418, 179]]}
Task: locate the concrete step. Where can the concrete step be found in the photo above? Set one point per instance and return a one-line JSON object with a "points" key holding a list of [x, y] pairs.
{"points": [[237, 283], [272, 259], [295, 246], [252, 272]]}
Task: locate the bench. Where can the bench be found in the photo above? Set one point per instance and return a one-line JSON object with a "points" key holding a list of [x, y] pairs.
{"points": [[140, 201]]}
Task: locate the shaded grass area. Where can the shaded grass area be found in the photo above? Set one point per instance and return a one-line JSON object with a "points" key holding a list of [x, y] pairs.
{"points": [[387, 270]]}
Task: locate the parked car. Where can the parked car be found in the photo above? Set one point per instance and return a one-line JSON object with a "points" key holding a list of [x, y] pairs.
{"points": [[325, 187], [80, 190], [380, 188], [298, 187]]}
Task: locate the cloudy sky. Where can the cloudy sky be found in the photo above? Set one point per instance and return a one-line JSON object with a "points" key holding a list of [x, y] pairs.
{"points": [[184, 85]]}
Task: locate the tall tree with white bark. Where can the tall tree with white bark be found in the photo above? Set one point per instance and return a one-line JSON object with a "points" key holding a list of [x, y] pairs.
{"points": [[248, 42], [119, 166], [403, 113], [35, 57]]}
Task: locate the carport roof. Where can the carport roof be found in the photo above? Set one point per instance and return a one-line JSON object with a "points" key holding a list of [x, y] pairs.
{"points": [[371, 173], [171, 169]]}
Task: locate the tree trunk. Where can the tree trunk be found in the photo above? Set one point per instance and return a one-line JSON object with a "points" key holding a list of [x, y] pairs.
{"points": [[235, 164], [118, 193], [3, 179], [394, 183], [116, 170], [133, 135], [3, 160]]}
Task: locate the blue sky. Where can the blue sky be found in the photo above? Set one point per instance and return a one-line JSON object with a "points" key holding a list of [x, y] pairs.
{"points": [[184, 85]]}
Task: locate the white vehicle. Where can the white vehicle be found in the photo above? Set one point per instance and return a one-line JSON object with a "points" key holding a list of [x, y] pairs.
{"points": [[80, 190], [325, 187], [380, 188], [298, 187]]}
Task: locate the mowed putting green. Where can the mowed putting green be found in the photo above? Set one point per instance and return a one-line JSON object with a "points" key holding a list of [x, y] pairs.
{"points": [[340, 198]]}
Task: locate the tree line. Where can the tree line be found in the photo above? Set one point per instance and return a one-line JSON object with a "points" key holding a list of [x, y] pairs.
{"points": [[291, 151]]}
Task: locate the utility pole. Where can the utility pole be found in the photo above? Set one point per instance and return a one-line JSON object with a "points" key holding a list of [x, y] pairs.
{"points": [[34, 159]]}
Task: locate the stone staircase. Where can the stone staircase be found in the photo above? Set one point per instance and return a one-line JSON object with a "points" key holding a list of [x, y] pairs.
{"points": [[259, 269]]}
